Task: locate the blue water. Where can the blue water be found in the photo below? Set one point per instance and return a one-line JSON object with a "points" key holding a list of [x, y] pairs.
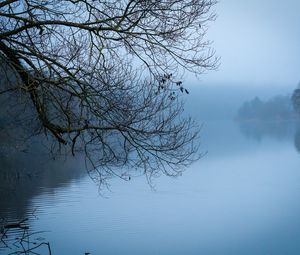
{"points": [[242, 197]]}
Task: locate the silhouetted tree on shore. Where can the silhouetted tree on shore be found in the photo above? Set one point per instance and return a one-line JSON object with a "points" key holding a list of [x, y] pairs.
{"points": [[276, 108]]}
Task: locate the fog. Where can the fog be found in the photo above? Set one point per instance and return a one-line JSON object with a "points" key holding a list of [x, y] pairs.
{"points": [[208, 102], [258, 42], [241, 197]]}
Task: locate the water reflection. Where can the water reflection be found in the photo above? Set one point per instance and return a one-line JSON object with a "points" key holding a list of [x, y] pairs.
{"points": [[280, 130], [17, 238], [27, 171], [259, 130]]}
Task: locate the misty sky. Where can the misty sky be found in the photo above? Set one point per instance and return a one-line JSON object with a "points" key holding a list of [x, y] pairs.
{"points": [[258, 42]]}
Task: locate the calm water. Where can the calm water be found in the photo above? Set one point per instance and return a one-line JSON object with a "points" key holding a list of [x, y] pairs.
{"points": [[241, 198]]}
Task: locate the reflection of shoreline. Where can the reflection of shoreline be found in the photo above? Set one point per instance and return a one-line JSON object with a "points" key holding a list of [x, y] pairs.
{"points": [[26, 174], [280, 130], [258, 130]]}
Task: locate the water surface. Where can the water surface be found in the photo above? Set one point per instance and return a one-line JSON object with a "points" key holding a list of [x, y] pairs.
{"points": [[241, 198]]}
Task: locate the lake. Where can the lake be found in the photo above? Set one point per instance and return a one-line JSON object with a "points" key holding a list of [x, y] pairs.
{"points": [[242, 197]]}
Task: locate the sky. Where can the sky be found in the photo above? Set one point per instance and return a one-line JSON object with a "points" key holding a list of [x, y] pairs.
{"points": [[258, 43]]}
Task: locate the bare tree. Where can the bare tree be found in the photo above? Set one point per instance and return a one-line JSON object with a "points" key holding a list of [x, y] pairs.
{"points": [[103, 76]]}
